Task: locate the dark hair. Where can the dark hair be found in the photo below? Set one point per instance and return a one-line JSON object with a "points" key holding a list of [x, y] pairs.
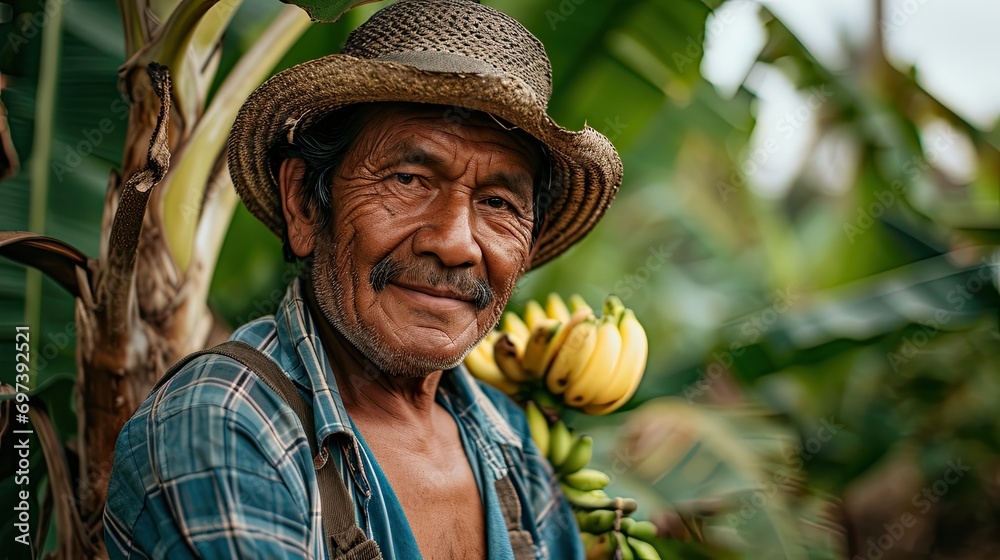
{"points": [[323, 145]]}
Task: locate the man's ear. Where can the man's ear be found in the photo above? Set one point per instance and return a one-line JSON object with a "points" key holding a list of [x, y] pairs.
{"points": [[300, 221]]}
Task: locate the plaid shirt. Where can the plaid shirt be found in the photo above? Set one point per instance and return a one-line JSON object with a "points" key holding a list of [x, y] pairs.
{"points": [[214, 465]]}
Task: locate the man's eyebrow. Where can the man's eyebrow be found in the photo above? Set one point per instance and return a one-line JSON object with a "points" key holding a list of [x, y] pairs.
{"points": [[406, 152], [518, 183]]}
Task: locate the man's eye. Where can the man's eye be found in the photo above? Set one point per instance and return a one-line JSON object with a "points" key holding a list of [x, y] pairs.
{"points": [[497, 203], [404, 178]]}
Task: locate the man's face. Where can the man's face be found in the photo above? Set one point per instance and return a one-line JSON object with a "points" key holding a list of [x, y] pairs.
{"points": [[431, 228]]}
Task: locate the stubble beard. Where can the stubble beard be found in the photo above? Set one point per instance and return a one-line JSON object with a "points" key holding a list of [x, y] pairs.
{"points": [[325, 274]]}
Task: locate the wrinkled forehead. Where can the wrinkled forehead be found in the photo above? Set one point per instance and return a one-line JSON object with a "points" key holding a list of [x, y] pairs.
{"points": [[394, 123]]}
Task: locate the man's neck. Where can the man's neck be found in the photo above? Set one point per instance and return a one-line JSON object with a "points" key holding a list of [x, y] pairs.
{"points": [[367, 393]]}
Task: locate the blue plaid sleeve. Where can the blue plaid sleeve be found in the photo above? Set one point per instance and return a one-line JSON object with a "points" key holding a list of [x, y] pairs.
{"points": [[214, 466]]}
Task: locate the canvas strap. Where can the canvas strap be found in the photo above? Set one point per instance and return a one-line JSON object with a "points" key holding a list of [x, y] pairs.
{"points": [[344, 539]]}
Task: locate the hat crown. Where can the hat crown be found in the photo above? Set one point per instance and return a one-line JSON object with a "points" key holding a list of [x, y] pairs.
{"points": [[458, 36]]}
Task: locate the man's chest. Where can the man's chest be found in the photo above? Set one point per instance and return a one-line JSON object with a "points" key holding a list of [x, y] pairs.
{"points": [[439, 495], [443, 508]]}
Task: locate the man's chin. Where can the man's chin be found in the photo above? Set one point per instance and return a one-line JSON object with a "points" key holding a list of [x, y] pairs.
{"points": [[411, 365]]}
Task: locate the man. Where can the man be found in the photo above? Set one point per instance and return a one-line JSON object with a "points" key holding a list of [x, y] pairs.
{"points": [[419, 177]]}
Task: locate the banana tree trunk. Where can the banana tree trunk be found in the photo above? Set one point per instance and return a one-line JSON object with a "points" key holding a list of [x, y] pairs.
{"points": [[142, 304]]}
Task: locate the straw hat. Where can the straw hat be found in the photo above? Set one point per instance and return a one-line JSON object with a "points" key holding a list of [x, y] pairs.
{"points": [[445, 52]]}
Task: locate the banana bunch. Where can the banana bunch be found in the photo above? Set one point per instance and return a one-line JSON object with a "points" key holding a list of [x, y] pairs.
{"points": [[604, 523], [563, 355], [630, 540], [592, 363]]}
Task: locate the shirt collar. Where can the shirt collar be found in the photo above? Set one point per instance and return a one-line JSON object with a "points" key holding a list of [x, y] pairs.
{"points": [[299, 337]]}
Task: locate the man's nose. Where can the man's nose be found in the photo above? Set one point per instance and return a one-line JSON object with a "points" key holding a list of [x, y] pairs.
{"points": [[448, 233]]}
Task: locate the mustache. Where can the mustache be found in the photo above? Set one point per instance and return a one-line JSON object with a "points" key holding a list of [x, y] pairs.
{"points": [[461, 281]]}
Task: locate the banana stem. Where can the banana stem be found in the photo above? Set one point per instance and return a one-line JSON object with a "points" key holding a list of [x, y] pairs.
{"points": [[550, 407]]}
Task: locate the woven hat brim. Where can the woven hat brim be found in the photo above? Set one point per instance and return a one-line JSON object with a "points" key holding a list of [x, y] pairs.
{"points": [[586, 169]]}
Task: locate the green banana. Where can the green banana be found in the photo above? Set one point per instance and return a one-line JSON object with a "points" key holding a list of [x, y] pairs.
{"points": [[623, 547], [613, 307], [642, 530], [597, 499], [587, 479], [539, 427], [643, 550], [579, 455], [560, 443], [598, 521], [593, 499]]}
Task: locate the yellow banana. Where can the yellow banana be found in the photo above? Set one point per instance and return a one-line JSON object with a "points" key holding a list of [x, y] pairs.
{"points": [[534, 352], [539, 427], [556, 308], [583, 387], [537, 367], [533, 314], [631, 363], [576, 303], [573, 356], [508, 357], [482, 365], [491, 337], [512, 323]]}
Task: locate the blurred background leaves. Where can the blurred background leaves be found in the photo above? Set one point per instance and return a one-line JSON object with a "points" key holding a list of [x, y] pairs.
{"points": [[808, 228]]}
